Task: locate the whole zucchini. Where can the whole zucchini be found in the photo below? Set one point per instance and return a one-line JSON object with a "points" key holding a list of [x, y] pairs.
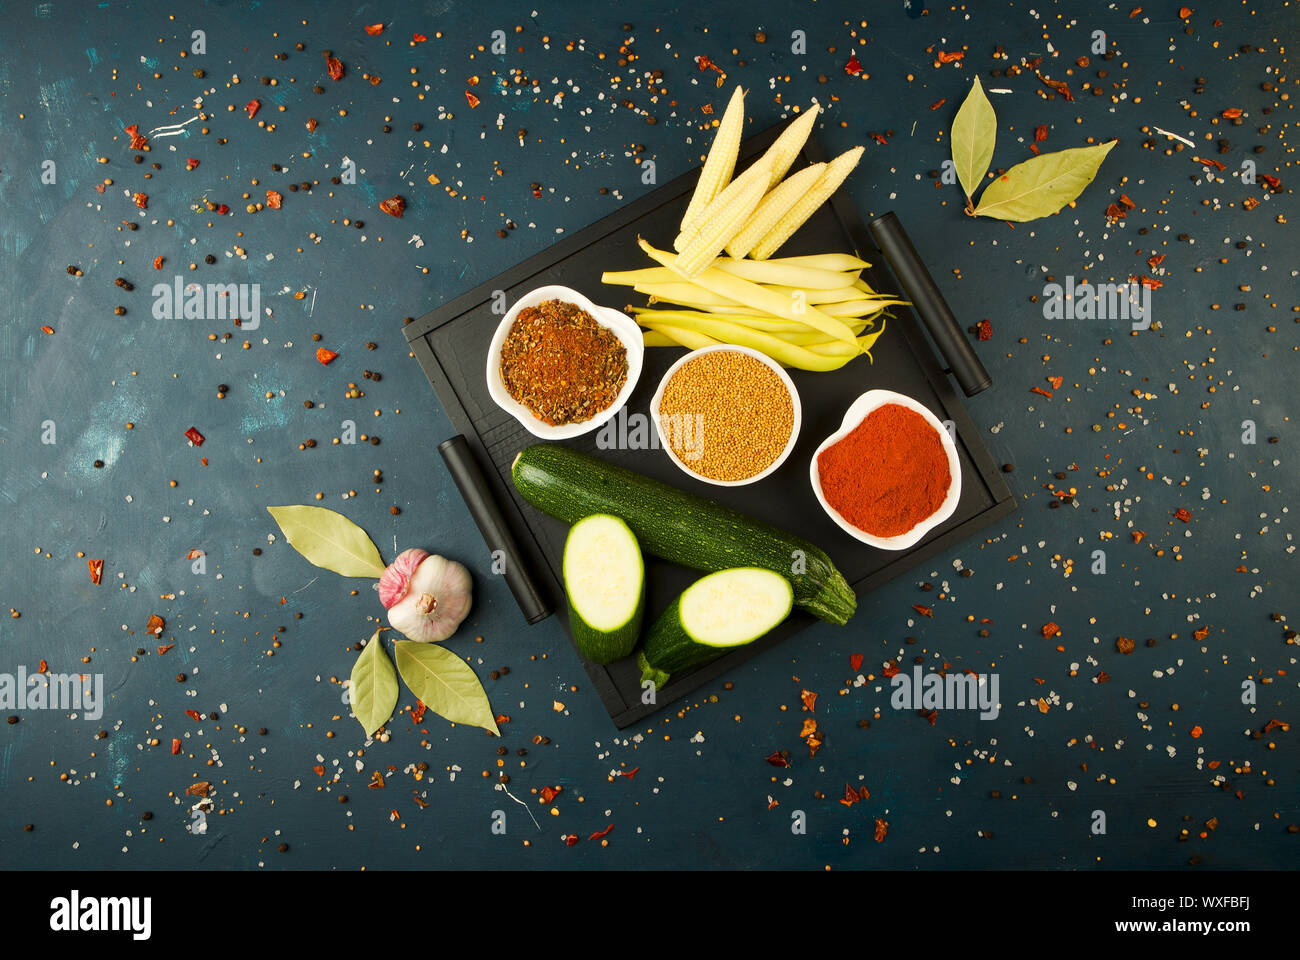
{"points": [[679, 526]]}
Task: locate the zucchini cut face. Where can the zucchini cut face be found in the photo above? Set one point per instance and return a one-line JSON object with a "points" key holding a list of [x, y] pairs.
{"points": [[603, 572], [734, 607]]}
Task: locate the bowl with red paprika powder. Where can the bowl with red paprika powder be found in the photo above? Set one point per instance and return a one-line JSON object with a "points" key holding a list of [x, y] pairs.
{"points": [[562, 365], [889, 474]]}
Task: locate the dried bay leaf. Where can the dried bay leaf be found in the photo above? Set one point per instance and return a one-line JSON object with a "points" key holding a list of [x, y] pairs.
{"points": [[444, 683], [974, 131], [328, 539], [1042, 185], [374, 686]]}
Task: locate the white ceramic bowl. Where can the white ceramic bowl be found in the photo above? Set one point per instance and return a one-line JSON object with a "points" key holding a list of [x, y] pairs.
{"points": [[766, 361], [623, 327], [857, 412]]}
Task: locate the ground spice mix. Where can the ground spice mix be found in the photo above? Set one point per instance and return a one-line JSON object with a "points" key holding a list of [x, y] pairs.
{"points": [[888, 474], [561, 364]]}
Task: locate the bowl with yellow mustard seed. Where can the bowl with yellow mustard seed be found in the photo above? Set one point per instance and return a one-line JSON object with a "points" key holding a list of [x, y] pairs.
{"points": [[727, 415], [562, 365]]}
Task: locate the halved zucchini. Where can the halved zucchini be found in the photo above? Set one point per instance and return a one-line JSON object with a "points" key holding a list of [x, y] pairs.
{"points": [[717, 613], [604, 577]]}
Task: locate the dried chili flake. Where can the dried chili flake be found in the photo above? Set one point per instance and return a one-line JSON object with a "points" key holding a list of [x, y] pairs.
{"points": [[984, 330], [850, 796], [1033, 148], [809, 700], [890, 669], [274, 199], [814, 744], [1273, 182], [191, 163], [1040, 132], [164, 648], [777, 760], [335, 67], [1040, 391], [570, 839], [549, 793], [1182, 514], [1103, 677], [417, 712], [629, 773], [141, 200], [1202, 633], [938, 103], [324, 355], [471, 100], [1126, 202], [176, 746], [1060, 86], [561, 364], [47, 329], [864, 793], [1056, 382], [854, 67], [194, 715], [1155, 260], [393, 206], [1050, 629], [879, 138], [502, 718], [222, 209], [374, 29], [601, 834], [1151, 283], [855, 662], [1277, 724], [882, 827], [1184, 13], [931, 715], [376, 781], [923, 610], [418, 38], [1196, 732], [43, 667], [252, 107], [311, 124], [100, 188], [193, 435], [1232, 113], [138, 140], [96, 570], [1115, 212], [154, 625], [950, 56], [809, 727], [158, 262], [1210, 163]]}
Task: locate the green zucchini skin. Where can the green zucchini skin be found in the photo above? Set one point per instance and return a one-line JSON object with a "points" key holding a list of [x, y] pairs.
{"points": [[670, 648], [679, 526], [606, 646]]}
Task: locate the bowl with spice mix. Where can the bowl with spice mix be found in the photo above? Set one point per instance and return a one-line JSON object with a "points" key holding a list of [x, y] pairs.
{"points": [[727, 415], [562, 365], [889, 474]]}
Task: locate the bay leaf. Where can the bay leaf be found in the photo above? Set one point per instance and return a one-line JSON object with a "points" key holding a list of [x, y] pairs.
{"points": [[974, 131], [1042, 185], [328, 539], [374, 686], [445, 683]]}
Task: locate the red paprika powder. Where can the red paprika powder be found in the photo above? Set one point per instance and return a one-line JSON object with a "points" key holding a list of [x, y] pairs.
{"points": [[888, 474]]}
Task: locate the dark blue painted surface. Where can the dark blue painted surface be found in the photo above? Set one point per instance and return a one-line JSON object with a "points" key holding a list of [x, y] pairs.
{"points": [[73, 76]]}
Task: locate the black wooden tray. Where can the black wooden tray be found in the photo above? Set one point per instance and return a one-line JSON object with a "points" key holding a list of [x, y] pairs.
{"points": [[451, 345]]}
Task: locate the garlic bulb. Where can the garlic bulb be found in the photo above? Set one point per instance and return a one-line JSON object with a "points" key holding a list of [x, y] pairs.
{"points": [[427, 596]]}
